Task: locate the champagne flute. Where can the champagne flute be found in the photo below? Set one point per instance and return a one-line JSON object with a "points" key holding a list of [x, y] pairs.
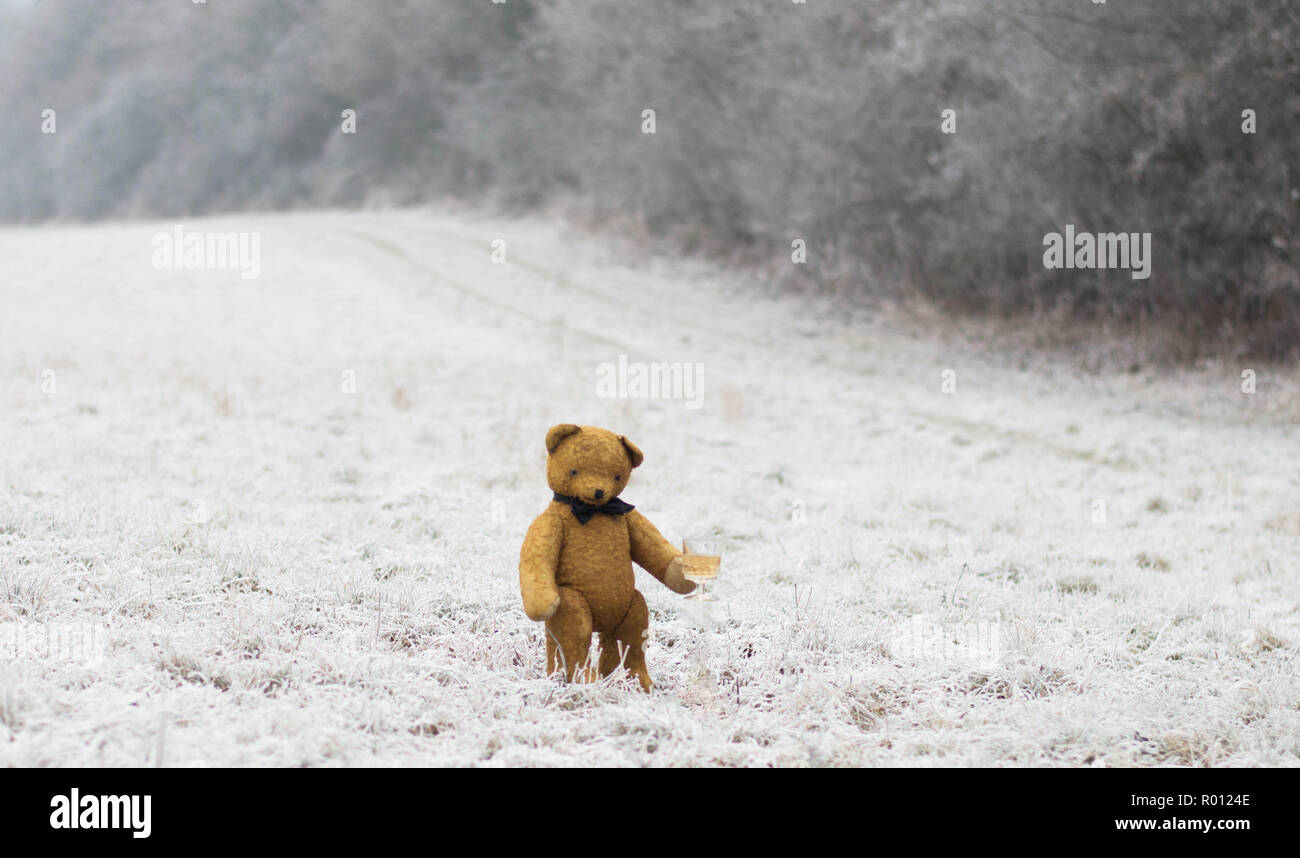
{"points": [[701, 560]]}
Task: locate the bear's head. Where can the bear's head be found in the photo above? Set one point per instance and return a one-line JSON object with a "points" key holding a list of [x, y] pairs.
{"points": [[589, 463]]}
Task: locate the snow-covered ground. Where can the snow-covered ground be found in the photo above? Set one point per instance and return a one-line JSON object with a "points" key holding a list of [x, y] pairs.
{"points": [[276, 521]]}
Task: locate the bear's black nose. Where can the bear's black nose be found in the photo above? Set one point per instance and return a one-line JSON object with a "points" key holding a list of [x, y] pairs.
{"points": [[600, 493]]}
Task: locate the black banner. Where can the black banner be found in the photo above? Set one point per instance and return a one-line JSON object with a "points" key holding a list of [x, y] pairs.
{"points": [[139, 808]]}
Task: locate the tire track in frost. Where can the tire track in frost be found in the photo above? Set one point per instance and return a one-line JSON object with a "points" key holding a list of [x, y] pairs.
{"points": [[975, 427], [501, 306]]}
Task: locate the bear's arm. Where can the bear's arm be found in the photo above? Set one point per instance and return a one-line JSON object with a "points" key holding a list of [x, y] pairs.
{"points": [[538, 559], [655, 554]]}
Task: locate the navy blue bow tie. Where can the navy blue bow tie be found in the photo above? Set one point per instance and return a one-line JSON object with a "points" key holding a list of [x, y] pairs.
{"points": [[583, 511]]}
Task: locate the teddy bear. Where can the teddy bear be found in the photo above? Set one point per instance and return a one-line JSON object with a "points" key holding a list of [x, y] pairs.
{"points": [[575, 566]]}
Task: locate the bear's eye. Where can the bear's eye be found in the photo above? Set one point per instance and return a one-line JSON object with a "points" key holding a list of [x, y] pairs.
{"points": [[573, 472], [618, 477]]}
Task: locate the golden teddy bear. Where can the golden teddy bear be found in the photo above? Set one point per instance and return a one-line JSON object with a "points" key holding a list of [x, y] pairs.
{"points": [[575, 567]]}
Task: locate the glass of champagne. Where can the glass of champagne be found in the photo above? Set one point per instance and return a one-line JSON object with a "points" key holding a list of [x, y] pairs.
{"points": [[702, 558]]}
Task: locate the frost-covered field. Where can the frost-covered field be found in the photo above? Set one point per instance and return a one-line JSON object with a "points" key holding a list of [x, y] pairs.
{"points": [[277, 521]]}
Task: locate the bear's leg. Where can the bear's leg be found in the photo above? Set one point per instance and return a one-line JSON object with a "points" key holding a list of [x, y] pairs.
{"points": [[610, 656], [568, 637], [631, 633]]}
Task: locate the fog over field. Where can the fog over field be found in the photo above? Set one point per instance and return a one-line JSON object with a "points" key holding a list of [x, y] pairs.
{"points": [[919, 149]]}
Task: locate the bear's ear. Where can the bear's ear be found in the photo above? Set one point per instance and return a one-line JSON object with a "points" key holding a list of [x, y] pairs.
{"points": [[558, 433], [633, 451]]}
